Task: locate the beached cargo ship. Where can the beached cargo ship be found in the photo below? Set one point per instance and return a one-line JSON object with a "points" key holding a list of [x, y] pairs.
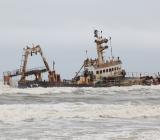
{"points": [[98, 72]]}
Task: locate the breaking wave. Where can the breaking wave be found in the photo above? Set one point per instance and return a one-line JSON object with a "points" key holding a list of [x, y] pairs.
{"points": [[20, 112], [80, 113]]}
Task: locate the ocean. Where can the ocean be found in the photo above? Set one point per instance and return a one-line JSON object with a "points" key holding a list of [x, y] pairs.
{"points": [[115, 113]]}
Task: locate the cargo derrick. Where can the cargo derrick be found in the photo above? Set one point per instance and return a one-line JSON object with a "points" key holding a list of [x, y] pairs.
{"points": [[53, 78]]}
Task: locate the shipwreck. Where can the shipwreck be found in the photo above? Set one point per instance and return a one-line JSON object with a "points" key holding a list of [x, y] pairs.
{"points": [[98, 72]]}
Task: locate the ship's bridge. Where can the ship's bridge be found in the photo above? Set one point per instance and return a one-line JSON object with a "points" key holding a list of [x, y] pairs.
{"points": [[111, 68]]}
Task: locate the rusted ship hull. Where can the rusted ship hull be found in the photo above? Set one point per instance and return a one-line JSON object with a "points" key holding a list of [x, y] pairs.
{"points": [[106, 83], [45, 84]]}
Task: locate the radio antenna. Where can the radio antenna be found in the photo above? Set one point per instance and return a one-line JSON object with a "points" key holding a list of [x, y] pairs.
{"points": [[86, 53], [53, 64], [110, 46]]}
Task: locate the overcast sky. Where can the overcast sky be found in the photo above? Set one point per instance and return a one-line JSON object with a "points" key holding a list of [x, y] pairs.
{"points": [[64, 29]]}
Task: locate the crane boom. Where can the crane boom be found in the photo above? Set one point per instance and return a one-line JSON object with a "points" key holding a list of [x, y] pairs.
{"points": [[30, 51]]}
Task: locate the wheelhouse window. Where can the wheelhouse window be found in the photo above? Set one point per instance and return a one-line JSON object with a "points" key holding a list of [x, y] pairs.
{"points": [[104, 71], [97, 72], [100, 71]]}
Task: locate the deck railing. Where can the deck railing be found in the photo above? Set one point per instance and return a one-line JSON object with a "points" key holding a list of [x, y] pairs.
{"points": [[19, 71], [141, 74]]}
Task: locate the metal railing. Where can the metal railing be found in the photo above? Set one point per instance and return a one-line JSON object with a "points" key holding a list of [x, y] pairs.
{"points": [[19, 71], [141, 74]]}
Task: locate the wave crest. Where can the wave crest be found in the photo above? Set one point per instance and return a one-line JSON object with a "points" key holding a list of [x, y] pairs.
{"points": [[79, 110]]}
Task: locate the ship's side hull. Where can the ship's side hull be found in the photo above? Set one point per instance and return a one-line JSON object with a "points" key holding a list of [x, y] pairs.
{"points": [[105, 83], [45, 84]]}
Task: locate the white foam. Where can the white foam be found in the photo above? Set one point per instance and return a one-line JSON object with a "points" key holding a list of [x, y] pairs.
{"points": [[122, 135], [109, 90], [10, 90], [149, 135], [21, 112], [39, 90]]}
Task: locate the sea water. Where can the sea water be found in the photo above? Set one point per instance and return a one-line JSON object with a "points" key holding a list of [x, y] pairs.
{"points": [[116, 113]]}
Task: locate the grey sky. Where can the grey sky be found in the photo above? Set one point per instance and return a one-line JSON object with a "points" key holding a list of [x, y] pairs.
{"points": [[64, 29]]}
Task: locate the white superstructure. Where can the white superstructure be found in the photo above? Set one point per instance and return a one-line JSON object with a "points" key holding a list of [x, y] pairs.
{"points": [[100, 67]]}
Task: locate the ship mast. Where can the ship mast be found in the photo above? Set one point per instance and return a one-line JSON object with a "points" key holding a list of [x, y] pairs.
{"points": [[100, 48]]}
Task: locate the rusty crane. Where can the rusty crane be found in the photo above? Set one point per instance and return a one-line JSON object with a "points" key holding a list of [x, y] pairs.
{"points": [[53, 78]]}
